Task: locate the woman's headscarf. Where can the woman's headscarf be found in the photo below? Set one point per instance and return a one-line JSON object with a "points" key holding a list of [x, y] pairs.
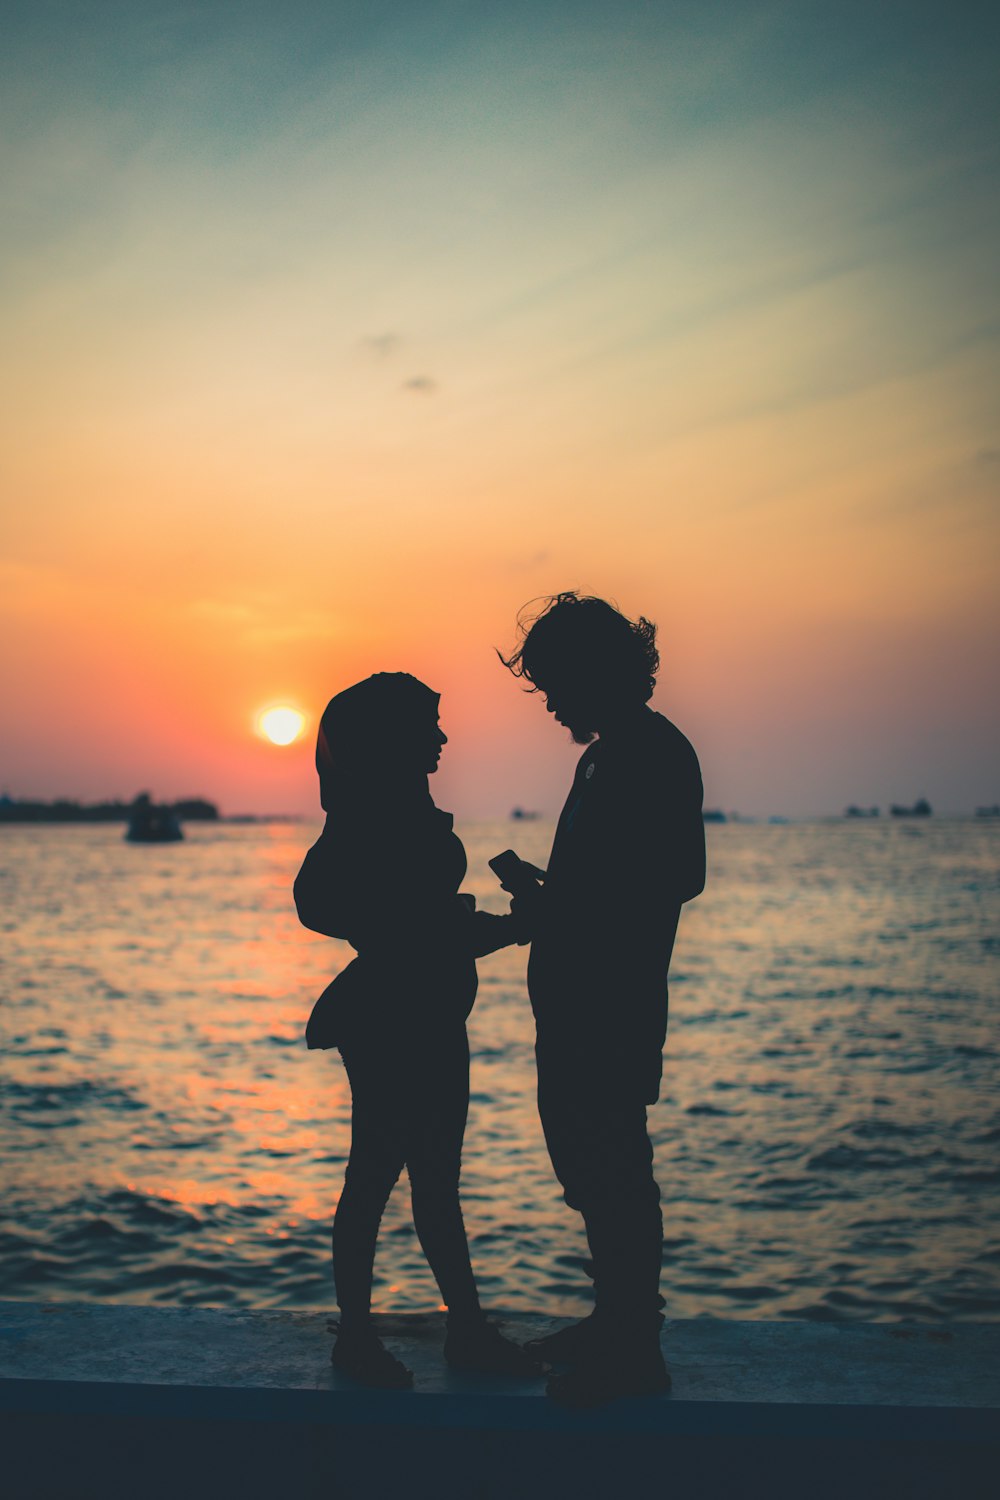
{"points": [[357, 733]]}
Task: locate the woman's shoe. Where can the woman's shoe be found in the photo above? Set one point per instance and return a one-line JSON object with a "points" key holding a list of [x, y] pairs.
{"points": [[363, 1356], [480, 1348]]}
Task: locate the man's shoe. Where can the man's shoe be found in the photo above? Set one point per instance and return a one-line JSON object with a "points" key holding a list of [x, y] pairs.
{"points": [[363, 1357], [606, 1375], [478, 1347], [567, 1346]]}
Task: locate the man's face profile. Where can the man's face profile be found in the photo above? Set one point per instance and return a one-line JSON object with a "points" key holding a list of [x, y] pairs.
{"points": [[572, 704]]}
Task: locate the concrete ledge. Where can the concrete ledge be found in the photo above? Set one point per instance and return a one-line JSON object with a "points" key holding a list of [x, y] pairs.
{"points": [[107, 1400]]}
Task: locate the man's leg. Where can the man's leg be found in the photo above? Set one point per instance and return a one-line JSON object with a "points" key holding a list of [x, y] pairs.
{"points": [[602, 1156], [620, 1203], [601, 1153]]}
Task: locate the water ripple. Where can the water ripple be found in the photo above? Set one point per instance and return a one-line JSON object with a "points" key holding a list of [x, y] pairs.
{"points": [[826, 1140]]}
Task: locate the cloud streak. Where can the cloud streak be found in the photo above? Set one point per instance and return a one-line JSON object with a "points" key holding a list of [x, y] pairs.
{"points": [[382, 345]]}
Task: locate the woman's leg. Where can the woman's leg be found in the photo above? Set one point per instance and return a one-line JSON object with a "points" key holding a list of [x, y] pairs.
{"points": [[434, 1159], [438, 1108], [378, 1151]]}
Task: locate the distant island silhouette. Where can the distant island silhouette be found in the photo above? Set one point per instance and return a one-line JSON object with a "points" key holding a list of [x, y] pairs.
{"points": [[63, 810]]}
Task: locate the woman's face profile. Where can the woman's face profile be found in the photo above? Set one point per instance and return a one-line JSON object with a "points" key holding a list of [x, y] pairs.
{"points": [[421, 743]]}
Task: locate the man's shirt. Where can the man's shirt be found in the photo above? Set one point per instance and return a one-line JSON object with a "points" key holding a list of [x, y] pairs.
{"points": [[629, 850]]}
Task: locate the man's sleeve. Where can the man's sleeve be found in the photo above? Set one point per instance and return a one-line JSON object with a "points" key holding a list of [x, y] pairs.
{"points": [[668, 864], [688, 830]]}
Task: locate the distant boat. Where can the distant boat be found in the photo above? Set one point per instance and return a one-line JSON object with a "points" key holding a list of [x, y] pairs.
{"points": [[149, 824], [920, 809], [860, 812], [523, 815], [160, 827], [714, 815]]}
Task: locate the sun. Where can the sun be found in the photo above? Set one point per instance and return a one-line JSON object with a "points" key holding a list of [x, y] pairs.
{"points": [[282, 726]]}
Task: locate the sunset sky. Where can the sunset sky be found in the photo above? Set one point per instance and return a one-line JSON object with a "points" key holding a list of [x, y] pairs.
{"points": [[335, 332]]}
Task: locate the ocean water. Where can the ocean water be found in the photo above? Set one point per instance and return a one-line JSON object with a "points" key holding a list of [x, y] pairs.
{"points": [[827, 1140]]}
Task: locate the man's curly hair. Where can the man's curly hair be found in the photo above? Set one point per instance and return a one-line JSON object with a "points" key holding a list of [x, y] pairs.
{"points": [[579, 632]]}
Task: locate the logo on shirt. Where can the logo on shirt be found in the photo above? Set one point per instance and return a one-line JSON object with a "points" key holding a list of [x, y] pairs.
{"points": [[589, 771]]}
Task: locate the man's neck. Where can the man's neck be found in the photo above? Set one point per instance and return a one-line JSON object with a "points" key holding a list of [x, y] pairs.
{"points": [[622, 724]]}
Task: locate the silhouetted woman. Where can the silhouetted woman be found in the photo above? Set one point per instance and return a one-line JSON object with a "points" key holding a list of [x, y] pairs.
{"points": [[385, 875]]}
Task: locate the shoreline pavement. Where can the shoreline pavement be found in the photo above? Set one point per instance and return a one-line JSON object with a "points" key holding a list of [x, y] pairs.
{"points": [[113, 1400]]}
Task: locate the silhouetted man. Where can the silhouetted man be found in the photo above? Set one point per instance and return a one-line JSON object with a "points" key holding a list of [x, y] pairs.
{"points": [[628, 851]]}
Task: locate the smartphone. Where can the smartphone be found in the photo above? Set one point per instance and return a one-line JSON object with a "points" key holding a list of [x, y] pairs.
{"points": [[511, 872]]}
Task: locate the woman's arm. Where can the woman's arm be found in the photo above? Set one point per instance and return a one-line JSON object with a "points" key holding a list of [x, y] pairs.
{"points": [[491, 933], [311, 892], [357, 910]]}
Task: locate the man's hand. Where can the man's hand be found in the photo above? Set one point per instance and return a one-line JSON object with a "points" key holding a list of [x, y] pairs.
{"points": [[521, 879]]}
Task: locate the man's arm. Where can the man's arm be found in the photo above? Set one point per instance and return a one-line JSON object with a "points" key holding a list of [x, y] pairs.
{"points": [[689, 833], [654, 857]]}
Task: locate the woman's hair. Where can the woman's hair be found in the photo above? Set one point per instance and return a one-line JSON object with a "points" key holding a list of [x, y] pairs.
{"points": [[361, 724], [577, 633]]}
